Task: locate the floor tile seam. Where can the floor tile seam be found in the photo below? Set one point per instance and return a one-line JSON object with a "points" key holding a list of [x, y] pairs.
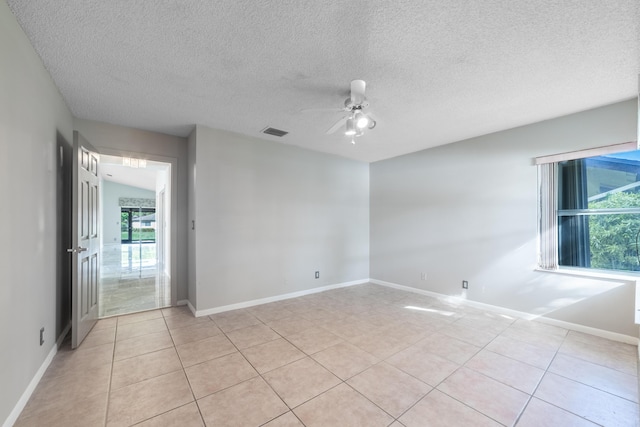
{"points": [[184, 370], [196, 399], [336, 375], [141, 335], [510, 358], [423, 381], [564, 336], [468, 406], [292, 408], [540, 347], [529, 396], [137, 423], [468, 342], [203, 361], [298, 348], [145, 379], [636, 402], [113, 361], [46, 378], [577, 356], [549, 402], [292, 413], [134, 313], [255, 345], [191, 325], [193, 341], [141, 354], [601, 348], [375, 404], [484, 348]]}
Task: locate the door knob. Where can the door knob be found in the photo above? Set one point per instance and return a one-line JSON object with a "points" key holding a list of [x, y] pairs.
{"points": [[77, 250]]}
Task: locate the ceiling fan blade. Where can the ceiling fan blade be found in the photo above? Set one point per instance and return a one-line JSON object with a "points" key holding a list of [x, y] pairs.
{"points": [[357, 91], [337, 125], [308, 110]]}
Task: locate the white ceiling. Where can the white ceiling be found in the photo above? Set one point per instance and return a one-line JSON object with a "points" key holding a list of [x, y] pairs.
{"points": [[437, 71], [112, 169]]}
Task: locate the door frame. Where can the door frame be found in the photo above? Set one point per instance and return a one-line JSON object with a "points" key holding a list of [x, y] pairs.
{"points": [[171, 198]]}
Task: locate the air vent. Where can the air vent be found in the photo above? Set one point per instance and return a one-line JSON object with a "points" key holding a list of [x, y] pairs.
{"points": [[274, 132]]}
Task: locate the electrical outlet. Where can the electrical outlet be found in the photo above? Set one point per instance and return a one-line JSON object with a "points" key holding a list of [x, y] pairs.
{"points": [[423, 276], [317, 274], [465, 284], [42, 335]]}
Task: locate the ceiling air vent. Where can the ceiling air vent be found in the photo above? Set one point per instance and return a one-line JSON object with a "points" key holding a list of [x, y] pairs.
{"points": [[274, 132]]}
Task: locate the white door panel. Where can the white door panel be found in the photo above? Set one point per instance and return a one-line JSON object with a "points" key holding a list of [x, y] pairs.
{"points": [[86, 247]]}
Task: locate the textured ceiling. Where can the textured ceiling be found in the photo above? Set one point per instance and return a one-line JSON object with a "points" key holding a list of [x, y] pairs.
{"points": [[436, 71]]}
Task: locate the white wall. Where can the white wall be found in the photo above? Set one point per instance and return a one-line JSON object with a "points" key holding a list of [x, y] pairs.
{"points": [[269, 215], [123, 141], [33, 120], [111, 193], [467, 211], [191, 187], [163, 183]]}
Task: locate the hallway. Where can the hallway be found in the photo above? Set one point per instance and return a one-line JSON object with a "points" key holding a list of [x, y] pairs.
{"points": [[130, 280]]}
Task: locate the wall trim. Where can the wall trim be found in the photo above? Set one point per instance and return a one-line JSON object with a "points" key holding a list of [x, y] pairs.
{"points": [[614, 336], [182, 302], [22, 402], [251, 303], [191, 307]]}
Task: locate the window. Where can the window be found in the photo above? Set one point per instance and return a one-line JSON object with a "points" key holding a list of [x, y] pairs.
{"points": [[138, 225], [590, 209]]}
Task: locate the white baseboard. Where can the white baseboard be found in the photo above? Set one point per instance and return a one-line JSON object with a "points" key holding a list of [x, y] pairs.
{"points": [[209, 311], [182, 302], [22, 402], [191, 307], [514, 313]]}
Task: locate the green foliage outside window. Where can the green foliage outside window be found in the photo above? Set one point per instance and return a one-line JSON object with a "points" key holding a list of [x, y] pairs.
{"points": [[614, 238]]}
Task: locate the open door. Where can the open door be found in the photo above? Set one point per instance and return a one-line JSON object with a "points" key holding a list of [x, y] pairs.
{"points": [[86, 245]]}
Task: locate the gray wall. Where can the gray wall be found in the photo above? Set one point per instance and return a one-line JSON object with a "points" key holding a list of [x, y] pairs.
{"points": [[269, 215], [468, 211], [111, 193], [123, 141], [33, 121]]}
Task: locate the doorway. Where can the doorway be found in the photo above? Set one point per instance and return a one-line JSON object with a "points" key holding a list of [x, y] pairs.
{"points": [[134, 273]]}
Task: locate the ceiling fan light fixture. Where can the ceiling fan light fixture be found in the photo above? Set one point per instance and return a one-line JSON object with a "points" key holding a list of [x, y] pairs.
{"points": [[351, 129], [362, 121]]}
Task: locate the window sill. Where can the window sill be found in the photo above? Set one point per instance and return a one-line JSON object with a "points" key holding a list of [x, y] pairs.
{"points": [[593, 274]]}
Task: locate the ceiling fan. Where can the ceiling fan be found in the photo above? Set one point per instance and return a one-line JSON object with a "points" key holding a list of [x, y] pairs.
{"points": [[356, 120]]}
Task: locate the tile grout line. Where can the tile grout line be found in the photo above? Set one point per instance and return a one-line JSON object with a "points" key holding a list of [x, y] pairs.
{"points": [[113, 357], [551, 403], [184, 371], [530, 395]]}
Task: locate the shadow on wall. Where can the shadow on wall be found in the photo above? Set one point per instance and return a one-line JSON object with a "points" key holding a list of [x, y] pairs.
{"points": [[64, 165], [511, 281], [598, 303]]}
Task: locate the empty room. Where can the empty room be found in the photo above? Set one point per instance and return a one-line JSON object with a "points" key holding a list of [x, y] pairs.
{"points": [[338, 213]]}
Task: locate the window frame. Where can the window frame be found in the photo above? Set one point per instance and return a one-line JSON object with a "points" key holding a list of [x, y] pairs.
{"points": [[548, 212]]}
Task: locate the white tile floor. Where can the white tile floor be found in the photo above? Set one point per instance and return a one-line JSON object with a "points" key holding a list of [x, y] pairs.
{"points": [[129, 280], [360, 356]]}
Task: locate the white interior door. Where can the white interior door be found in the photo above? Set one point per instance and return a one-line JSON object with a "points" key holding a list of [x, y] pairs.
{"points": [[86, 245]]}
